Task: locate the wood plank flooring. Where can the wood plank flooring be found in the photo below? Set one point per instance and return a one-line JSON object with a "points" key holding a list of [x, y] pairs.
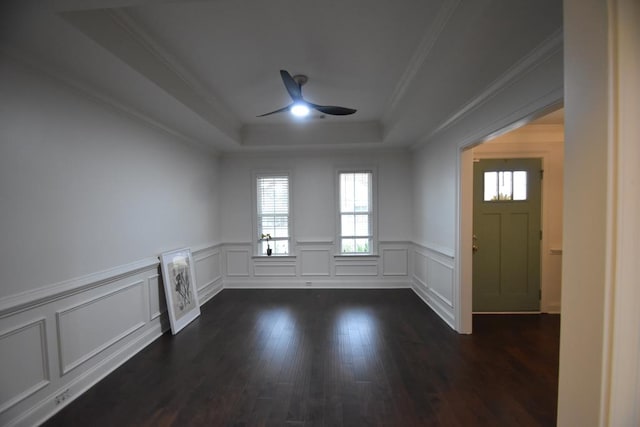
{"points": [[332, 358]]}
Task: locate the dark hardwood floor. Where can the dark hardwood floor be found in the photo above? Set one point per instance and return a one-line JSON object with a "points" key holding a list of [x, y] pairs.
{"points": [[332, 358]]}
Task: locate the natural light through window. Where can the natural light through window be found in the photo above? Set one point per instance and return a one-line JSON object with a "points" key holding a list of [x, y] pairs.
{"points": [[505, 186], [273, 213], [356, 235]]}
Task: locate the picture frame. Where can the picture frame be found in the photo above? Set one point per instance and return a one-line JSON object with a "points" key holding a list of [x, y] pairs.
{"points": [[178, 277]]}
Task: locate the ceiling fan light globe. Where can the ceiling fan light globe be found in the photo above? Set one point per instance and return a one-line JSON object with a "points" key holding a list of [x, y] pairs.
{"points": [[300, 110]]}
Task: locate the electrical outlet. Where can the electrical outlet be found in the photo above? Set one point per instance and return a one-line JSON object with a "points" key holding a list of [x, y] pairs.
{"points": [[62, 397]]}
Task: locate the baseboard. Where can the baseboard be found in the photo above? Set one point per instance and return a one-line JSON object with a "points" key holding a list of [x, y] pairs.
{"points": [[445, 313], [506, 312], [261, 283], [210, 290]]}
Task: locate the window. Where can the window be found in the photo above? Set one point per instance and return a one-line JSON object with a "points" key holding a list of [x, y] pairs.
{"points": [[356, 222], [505, 186], [272, 202]]}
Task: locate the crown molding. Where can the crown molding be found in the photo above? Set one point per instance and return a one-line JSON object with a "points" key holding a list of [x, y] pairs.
{"points": [[533, 59], [420, 55], [292, 152], [160, 53]]}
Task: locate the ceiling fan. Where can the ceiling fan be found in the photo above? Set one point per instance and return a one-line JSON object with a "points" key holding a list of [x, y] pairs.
{"points": [[301, 107]]}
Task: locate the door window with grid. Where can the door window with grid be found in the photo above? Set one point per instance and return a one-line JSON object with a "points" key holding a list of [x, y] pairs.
{"points": [[272, 200], [356, 212]]}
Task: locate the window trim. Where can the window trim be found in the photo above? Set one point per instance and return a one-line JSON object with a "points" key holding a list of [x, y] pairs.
{"points": [[257, 244], [373, 170]]}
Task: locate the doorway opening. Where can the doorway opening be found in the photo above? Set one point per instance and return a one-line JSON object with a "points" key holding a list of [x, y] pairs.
{"points": [[542, 138]]}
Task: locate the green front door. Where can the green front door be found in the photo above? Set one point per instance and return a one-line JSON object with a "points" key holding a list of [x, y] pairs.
{"points": [[506, 235]]}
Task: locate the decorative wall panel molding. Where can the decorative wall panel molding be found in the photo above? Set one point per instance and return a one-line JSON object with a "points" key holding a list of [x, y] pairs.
{"points": [[420, 267], [315, 262], [25, 363], [100, 321], [27, 300], [237, 262], [208, 269], [44, 408], [264, 268], [90, 327], [440, 279], [395, 262], [208, 266], [352, 267], [433, 281], [435, 250], [157, 300]]}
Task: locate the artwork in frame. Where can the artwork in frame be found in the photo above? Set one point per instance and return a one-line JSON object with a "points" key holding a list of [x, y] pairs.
{"points": [[178, 276]]}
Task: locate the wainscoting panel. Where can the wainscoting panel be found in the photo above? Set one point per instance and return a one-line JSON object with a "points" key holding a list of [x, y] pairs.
{"points": [[395, 262], [440, 280], [315, 262], [420, 267], [237, 262], [58, 341], [208, 273], [69, 335], [208, 268], [274, 267], [86, 329], [157, 300], [433, 280], [24, 363], [353, 266]]}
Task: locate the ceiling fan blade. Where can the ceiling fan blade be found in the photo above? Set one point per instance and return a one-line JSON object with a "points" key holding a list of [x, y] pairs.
{"points": [[295, 92], [276, 111], [332, 110]]}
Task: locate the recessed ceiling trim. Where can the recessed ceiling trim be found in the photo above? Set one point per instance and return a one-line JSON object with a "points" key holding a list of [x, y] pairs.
{"points": [[162, 54], [308, 133], [86, 90], [134, 48], [169, 61], [533, 59], [419, 56], [69, 5]]}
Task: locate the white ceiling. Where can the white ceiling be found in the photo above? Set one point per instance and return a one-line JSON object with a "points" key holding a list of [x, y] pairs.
{"points": [[204, 70], [554, 118]]}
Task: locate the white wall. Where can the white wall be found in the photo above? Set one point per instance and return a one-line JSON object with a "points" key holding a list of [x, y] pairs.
{"points": [[88, 199], [313, 260], [85, 188], [586, 211], [545, 142], [313, 192]]}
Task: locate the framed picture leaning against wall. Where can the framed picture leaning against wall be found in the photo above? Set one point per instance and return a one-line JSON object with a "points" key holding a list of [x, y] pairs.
{"points": [[178, 276]]}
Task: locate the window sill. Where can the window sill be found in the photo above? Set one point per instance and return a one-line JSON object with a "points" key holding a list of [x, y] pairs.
{"points": [[280, 257], [356, 256]]}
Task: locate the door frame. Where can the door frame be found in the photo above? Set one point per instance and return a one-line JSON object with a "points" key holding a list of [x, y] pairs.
{"points": [[463, 269]]}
